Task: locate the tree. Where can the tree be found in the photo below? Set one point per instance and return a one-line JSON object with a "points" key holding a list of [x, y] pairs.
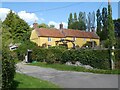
{"points": [[93, 20], [104, 21], [52, 26], [117, 27], [16, 27], [70, 20], [43, 25], [99, 26], [81, 20], [111, 35], [75, 17], [89, 22]]}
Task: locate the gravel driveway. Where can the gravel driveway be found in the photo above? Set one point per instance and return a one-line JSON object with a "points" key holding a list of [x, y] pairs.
{"points": [[70, 79]]}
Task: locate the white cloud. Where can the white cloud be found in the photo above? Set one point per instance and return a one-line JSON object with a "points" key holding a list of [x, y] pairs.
{"points": [[3, 13], [56, 24], [28, 17]]}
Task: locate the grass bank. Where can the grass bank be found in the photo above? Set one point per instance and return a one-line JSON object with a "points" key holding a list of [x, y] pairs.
{"points": [[24, 81], [74, 68]]}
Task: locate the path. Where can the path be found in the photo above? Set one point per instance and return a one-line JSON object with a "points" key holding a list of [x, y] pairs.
{"points": [[70, 79]]}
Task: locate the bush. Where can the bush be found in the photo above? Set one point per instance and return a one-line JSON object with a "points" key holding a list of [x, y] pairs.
{"points": [[95, 58], [117, 59], [22, 50], [8, 69]]}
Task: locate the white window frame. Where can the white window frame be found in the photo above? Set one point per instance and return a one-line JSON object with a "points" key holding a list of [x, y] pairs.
{"points": [[49, 39], [74, 38]]}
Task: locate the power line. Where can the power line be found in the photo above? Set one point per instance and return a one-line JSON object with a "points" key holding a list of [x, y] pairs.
{"points": [[100, 5], [50, 9]]}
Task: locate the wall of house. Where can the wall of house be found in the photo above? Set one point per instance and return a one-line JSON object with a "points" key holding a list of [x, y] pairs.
{"points": [[42, 40], [34, 37]]}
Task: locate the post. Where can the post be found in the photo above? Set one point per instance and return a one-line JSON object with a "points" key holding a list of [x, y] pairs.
{"points": [[111, 53]]}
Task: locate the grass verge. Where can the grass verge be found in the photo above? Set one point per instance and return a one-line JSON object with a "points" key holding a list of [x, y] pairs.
{"points": [[75, 68], [24, 81]]}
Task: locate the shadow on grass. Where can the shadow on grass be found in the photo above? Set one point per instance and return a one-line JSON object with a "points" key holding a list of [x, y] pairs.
{"points": [[15, 85]]}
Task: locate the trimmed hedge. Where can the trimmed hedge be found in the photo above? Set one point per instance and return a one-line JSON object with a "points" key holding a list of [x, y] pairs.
{"points": [[117, 59], [95, 58]]}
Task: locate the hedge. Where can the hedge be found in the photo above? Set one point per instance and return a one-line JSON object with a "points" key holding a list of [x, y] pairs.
{"points": [[95, 58], [8, 69]]}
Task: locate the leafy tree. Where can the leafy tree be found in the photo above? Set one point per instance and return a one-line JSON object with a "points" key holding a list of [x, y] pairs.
{"points": [[52, 26], [81, 20], [104, 21], [89, 22], [99, 26], [111, 35], [70, 20], [75, 17], [16, 26], [93, 20], [43, 25], [117, 27]]}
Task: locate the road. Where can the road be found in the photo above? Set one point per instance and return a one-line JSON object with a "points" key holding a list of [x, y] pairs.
{"points": [[70, 79]]}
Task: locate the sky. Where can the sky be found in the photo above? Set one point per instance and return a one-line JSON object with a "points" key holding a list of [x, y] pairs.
{"points": [[52, 12]]}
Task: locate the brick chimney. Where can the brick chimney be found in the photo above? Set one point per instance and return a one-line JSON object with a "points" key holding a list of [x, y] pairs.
{"points": [[93, 29], [35, 25], [61, 26]]}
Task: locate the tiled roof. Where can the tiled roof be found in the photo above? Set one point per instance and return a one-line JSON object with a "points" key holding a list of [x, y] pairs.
{"points": [[44, 32]]}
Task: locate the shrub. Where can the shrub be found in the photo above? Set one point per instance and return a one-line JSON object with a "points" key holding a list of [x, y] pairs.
{"points": [[8, 69], [96, 58], [117, 59]]}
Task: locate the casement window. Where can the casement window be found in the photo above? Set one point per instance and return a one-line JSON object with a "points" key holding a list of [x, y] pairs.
{"points": [[84, 39], [90, 39], [74, 38], [49, 39]]}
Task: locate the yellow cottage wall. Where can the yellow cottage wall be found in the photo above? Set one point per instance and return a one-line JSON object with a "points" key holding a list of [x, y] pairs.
{"points": [[43, 40], [34, 37]]}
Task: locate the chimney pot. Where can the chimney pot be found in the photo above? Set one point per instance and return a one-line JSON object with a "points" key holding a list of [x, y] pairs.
{"points": [[61, 26], [35, 25]]}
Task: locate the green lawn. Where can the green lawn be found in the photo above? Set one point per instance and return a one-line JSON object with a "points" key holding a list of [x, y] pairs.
{"points": [[24, 81], [74, 68]]}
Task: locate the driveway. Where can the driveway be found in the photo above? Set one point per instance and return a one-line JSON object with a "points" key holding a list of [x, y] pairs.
{"points": [[70, 79]]}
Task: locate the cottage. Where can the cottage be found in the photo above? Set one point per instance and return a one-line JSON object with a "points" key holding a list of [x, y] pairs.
{"points": [[65, 37]]}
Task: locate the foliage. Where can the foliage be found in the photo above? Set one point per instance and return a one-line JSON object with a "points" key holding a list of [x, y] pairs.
{"points": [[17, 27], [117, 27], [22, 50], [117, 59], [74, 23], [91, 21], [43, 25], [95, 58], [105, 24], [51, 26], [8, 69], [99, 26]]}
